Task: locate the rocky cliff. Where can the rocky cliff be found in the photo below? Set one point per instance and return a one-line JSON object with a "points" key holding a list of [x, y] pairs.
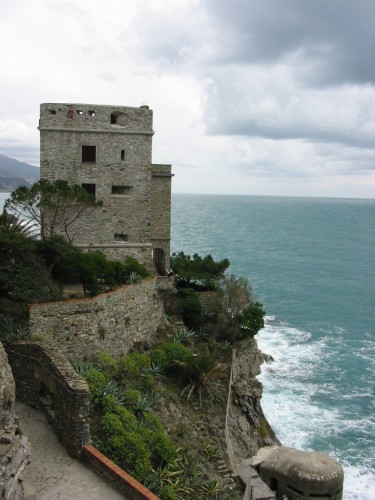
{"points": [[14, 447]]}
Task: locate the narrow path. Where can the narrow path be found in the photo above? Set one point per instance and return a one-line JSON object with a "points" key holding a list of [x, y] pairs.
{"points": [[52, 474]]}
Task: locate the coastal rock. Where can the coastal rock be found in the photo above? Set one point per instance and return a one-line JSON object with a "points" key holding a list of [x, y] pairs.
{"points": [[247, 427], [14, 447]]}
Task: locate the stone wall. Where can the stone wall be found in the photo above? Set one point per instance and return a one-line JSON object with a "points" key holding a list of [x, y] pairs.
{"points": [[119, 174], [46, 380], [113, 322], [117, 169], [14, 447], [161, 211]]}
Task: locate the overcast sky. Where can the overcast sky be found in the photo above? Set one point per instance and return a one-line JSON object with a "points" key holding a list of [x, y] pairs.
{"points": [[269, 97]]}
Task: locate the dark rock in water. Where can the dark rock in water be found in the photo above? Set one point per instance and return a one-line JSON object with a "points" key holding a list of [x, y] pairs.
{"points": [[268, 358]]}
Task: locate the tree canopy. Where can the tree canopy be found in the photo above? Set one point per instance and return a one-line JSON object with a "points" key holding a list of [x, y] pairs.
{"points": [[197, 272], [50, 205], [244, 314]]}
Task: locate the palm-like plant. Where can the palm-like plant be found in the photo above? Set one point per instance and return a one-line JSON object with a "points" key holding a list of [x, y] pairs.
{"points": [[203, 373], [13, 226]]}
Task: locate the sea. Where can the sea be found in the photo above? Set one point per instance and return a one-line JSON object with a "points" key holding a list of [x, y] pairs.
{"points": [[311, 262]]}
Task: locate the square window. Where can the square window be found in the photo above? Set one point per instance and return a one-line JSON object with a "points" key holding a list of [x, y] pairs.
{"points": [[88, 154], [90, 188], [122, 190]]}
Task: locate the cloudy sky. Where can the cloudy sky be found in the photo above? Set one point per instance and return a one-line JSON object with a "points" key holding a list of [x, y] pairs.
{"points": [[268, 97]]}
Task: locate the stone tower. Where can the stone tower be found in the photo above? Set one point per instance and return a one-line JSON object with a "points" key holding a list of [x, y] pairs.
{"points": [[107, 150]]}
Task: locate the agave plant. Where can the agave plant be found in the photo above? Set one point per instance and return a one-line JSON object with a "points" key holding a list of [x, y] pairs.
{"points": [[184, 335], [156, 369], [210, 489], [11, 331], [81, 366], [147, 402], [111, 388], [134, 278]]}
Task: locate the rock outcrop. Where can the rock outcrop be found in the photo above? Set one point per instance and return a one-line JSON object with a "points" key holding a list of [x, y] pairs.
{"points": [[247, 427], [14, 447]]}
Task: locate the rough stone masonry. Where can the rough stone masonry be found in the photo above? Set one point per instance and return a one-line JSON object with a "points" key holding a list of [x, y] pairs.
{"points": [[107, 150]]}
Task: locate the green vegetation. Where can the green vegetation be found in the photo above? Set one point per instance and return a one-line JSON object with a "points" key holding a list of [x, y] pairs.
{"points": [[191, 309], [198, 273], [130, 395], [48, 205], [36, 270], [127, 397]]}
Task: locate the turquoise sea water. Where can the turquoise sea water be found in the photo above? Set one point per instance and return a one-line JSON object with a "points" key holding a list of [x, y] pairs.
{"points": [[312, 263]]}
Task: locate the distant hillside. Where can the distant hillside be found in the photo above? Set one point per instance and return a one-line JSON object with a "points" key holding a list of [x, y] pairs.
{"points": [[14, 173]]}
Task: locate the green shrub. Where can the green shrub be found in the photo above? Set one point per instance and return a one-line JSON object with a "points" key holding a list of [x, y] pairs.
{"points": [[134, 370], [167, 493], [131, 265], [111, 424], [128, 420], [107, 363], [159, 357], [131, 453], [95, 380], [176, 353], [163, 450], [131, 397], [23, 275], [191, 309]]}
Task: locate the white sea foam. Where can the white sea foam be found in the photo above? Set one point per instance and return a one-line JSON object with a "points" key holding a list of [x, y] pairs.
{"points": [[292, 402]]}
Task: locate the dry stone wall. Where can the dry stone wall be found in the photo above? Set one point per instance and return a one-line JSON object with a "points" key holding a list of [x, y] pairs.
{"points": [[161, 210], [113, 322], [46, 380], [108, 150], [14, 447]]}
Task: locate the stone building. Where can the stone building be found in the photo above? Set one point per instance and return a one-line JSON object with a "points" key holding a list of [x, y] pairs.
{"points": [[107, 150]]}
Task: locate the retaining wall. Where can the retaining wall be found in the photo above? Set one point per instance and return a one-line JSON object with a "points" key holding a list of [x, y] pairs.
{"points": [[47, 381], [113, 322], [125, 484]]}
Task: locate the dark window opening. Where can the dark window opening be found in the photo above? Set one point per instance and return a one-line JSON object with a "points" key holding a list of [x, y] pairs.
{"points": [[123, 154], [292, 488], [113, 118], [159, 261], [90, 188], [88, 154], [121, 237], [79, 112], [122, 190], [52, 111], [273, 484], [92, 113]]}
